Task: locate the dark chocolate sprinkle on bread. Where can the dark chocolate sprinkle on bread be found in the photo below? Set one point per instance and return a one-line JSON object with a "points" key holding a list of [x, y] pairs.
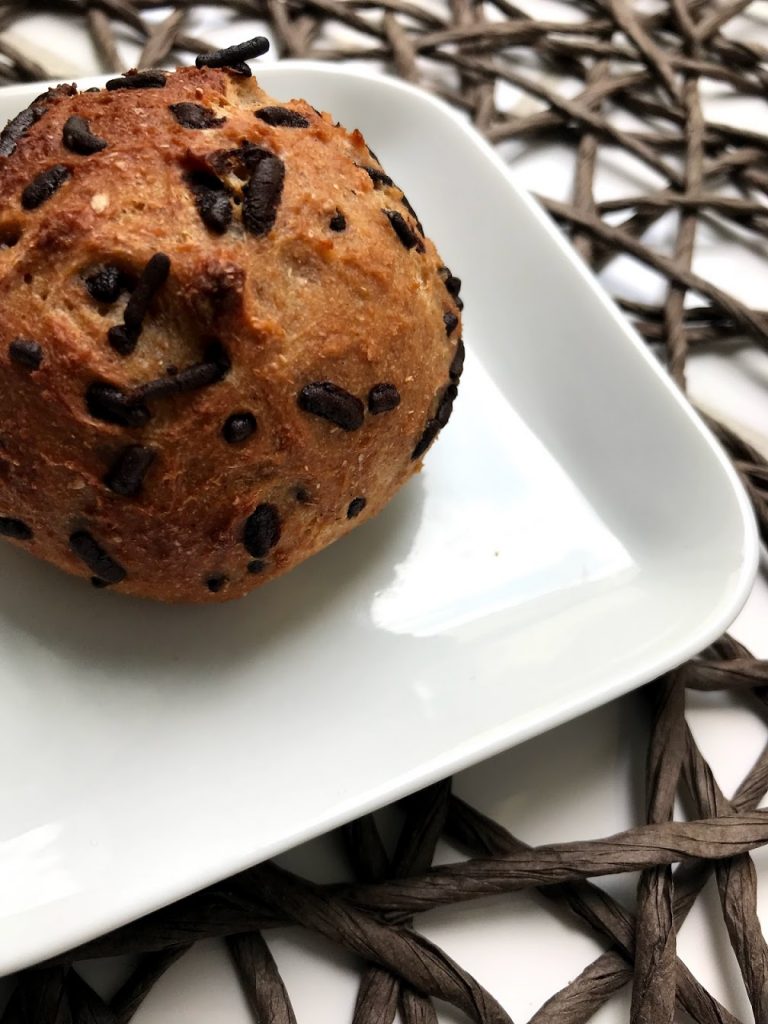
{"points": [[256, 566], [325, 399], [196, 116], [17, 127], [457, 364], [240, 161], [452, 284], [15, 529], [356, 506], [451, 322], [78, 137], [111, 405], [28, 354], [383, 398], [239, 427], [123, 338], [282, 117], [403, 231], [234, 56], [138, 80], [413, 213], [431, 431], [96, 558], [216, 583], [213, 201], [445, 408], [338, 222], [377, 176], [209, 371], [262, 194], [46, 184], [262, 530], [127, 408], [105, 284], [127, 473]]}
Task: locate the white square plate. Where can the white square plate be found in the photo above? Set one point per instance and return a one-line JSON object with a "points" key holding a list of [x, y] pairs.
{"points": [[573, 534]]}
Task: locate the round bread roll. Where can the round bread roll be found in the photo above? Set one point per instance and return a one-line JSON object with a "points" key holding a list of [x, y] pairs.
{"points": [[226, 339]]}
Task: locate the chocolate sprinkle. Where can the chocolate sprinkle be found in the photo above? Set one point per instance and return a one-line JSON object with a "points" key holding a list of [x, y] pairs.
{"points": [[261, 196], [18, 127], [383, 398], [96, 558], [234, 56], [215, 209], [240, 161], [127, 473], [413, 213], [123, 338], [239, 427], [302, 495], [26, 353], [403, 231], [356, 506], [282, 117], [195, 115], [214, 366], [457, 365], [431, 431], [378, 177], [79, 138], [452, 284], [105, 284], [262, 530], [451, 322], [330, 402], [445, 408], [16, 529], [216, 583], [138, 80], [338, 222], [212, 200], [46, 184], [256, 566], [111, 405]]}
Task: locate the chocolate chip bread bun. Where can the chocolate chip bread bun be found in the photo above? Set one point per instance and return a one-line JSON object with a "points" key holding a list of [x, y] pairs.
{"points": [[226, 340]]}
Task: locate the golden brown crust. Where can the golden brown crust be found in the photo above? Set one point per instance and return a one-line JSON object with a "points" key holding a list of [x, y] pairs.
{"points": [[295, 304]]}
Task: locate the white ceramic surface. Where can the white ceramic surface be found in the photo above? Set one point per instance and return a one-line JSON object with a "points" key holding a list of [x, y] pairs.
{"points": [[574, 533]]}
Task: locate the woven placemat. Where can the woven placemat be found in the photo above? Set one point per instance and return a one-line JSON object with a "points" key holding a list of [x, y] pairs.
{"points": [[624, 62]]}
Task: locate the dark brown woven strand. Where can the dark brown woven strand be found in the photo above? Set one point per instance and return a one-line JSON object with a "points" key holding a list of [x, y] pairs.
{"points": [[650, 66]]}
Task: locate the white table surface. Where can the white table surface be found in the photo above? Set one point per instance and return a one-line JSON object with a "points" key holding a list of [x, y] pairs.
{"points": [[579, 781]]}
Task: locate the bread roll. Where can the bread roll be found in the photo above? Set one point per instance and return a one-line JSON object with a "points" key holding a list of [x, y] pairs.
{"points": [[226, 339]]}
